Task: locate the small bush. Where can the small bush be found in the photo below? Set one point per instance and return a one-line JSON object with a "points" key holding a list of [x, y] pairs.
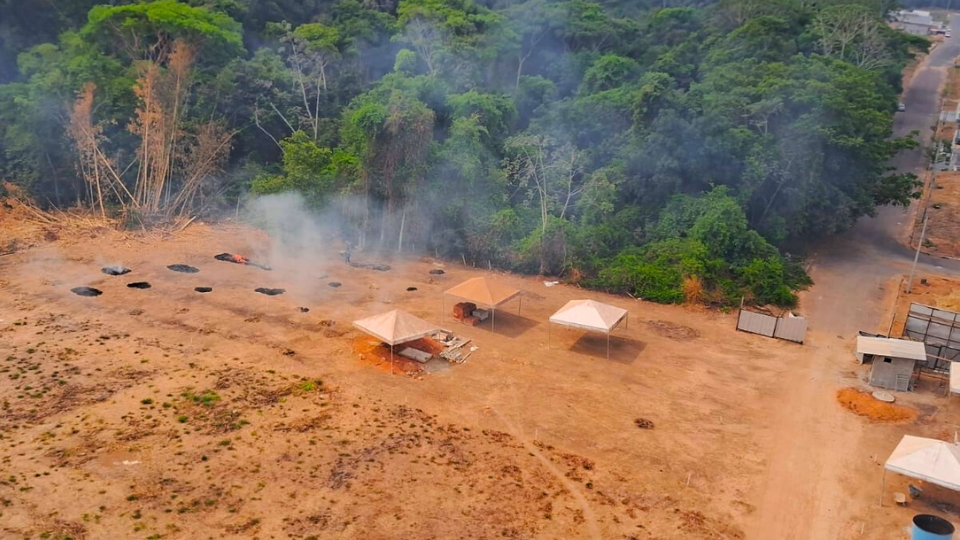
{"points": [[693, 289], [765, 279]]}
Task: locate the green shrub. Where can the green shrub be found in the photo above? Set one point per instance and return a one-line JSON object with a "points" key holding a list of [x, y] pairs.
{"points": [[651, 281], [765, 280]]}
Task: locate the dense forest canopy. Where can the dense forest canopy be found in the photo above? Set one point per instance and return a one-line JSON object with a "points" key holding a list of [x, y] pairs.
{"points": [[664, 148]]}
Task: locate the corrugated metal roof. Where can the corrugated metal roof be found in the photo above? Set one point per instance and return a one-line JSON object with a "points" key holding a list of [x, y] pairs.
{"points": [[954, 378], [894, 348]]}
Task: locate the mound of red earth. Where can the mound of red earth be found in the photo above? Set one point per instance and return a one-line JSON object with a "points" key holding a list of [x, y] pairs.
{"points": [[115, 270], [183, 268], [239, 259], [86, 291], [269, 292], [139, 285]]}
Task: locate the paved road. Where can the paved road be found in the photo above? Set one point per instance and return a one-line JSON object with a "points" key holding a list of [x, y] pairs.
{"points": [[851, 268]]}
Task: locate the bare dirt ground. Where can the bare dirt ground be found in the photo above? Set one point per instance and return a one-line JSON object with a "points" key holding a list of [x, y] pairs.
{"points": [[936, 415], [168, 413], [163, 412]]}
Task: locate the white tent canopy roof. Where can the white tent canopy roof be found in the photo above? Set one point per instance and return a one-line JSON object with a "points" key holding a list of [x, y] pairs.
{"points": [[931, 460], [483, 291], [394, 327], [589, 315], [893, 348]]}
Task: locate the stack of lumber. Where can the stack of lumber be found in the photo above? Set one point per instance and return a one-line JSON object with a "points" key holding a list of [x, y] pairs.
{"points": [[454, 347]]}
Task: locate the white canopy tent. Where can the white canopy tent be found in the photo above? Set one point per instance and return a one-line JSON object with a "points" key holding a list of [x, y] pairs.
{"points": [[930, 460], [591, 315], [484, 292], [395, 327]]}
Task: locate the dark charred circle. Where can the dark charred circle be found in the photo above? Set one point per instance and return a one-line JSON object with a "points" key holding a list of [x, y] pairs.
{"points": [[437, 272], [86, 291], [224, 257], [303, 309], [203, 289], [183, 268], [139, 285], [115, 270], [334, 284], [270, 292], [411, 289]]}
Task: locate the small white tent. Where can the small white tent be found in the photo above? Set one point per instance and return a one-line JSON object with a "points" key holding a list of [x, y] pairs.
{"points": [[484, 292], [930, 460], [590, 315], [395, 327]]}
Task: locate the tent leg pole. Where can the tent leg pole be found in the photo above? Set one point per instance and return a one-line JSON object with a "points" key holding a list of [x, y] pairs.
{"points": [[493, 320], [608, 345]]}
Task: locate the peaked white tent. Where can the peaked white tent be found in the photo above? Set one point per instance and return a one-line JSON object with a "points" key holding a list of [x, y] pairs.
{"points": [[591, 315], [484, 292], [930, 460], [395, 327]]}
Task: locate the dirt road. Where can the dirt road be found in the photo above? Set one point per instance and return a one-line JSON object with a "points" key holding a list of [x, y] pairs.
{"points": [[813, 449]]}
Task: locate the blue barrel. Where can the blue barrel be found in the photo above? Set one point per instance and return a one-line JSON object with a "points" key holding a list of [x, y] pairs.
{"points": [[928, 527]]}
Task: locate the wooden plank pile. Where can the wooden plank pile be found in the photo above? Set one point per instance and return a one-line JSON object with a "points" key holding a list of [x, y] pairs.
{"points": [[454, 351]]}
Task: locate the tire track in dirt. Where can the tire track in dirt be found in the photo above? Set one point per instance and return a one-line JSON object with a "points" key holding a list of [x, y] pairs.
{"points": [[589, 516]]}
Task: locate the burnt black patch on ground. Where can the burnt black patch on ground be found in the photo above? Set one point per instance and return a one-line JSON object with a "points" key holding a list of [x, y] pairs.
{"points": [[225, 257], [411, 289], [334, 284], [303, 309], [269, 292], [643, 423], [86, 291], [203, 289], [139, 285], [115, 270], [437, 272], [183, 268]]}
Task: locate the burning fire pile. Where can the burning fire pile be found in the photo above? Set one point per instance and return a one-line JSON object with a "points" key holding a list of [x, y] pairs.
{"points": [[239, 259]]}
